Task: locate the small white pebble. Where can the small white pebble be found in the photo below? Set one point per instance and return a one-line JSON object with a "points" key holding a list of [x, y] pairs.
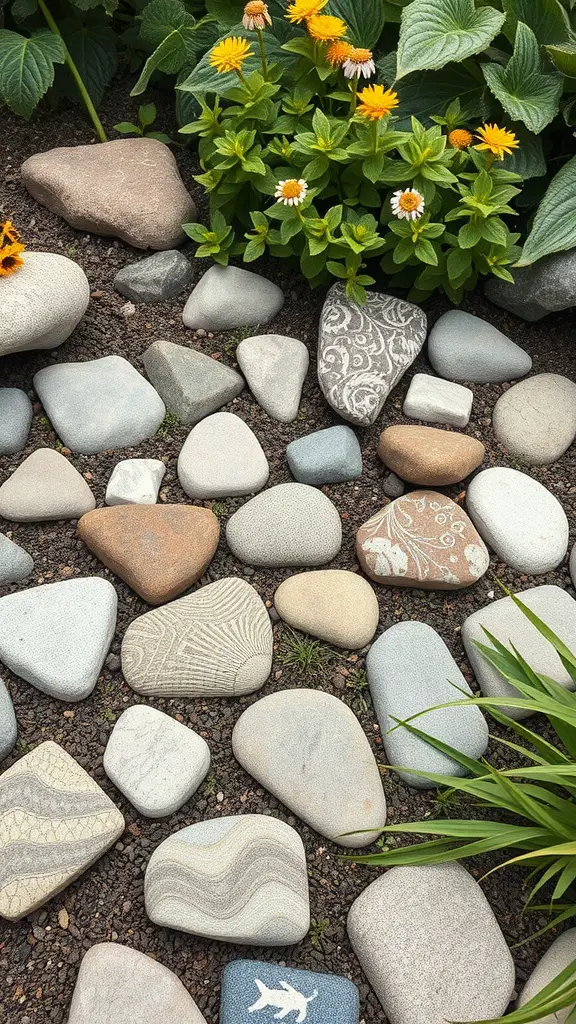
{"points": [[219, 797]]}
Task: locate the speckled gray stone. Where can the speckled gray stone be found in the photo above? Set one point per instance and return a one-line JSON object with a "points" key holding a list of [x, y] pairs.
{"points": [[15, 563], [393, 486], [227, 297], [155, 278], [535, 420], [275, 368], [573, 565], [45, 486], [325, 457], [42, 302], [544, 287], [559, 956], [15, 420], [8, 727], [192, 385], [410, 669], [435, 400], [222, 458], [290, 524], [465, 347]]}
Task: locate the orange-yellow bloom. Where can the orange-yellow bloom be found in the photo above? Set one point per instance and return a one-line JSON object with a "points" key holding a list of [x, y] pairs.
{"points": [[338, 52], [230, 54], [460, 138], [301, 10], [375, 102], [256, 16], [10, 258], [498, 141], [324, 28], [8, 233]]}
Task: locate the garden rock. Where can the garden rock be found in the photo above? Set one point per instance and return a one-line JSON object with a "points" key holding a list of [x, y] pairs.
{"points": [[61, 822], [222, 458], [428, 456], [431, 947], [191, 384], [158, 550], [465, 347], [216, 642], [156, 762], [135, 482], [119, 985], [325, 457], [45, 486], [237, 879], [100, 404], [318, 998], [8, 727], [42, 302], [228, 297], [438, 401], [363, 351], [290, 524], [423, 539], [333, 604], [573, 565], [410, 670], [57, 636], [286, 742], [129, 188], [509, 625], [15, 563], [155, 278], [15, 420], [393, 486], [275, 368], [545, 287], [559, 956], [522, 522], [536, 419]]}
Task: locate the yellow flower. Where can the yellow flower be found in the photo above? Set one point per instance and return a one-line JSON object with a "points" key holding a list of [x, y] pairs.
{"points": [[338, 52], [300, 10], [498, 141], [460, 138], [8, 233], [10, 258], [256, 15], [230, 54], [325, 28], [375, 102]]}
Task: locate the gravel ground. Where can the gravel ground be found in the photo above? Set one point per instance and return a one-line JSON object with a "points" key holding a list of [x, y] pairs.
{"points": [[39, 956]]}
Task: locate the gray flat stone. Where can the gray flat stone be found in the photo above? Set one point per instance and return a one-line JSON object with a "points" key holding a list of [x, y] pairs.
{"points": [[42, 302], [191, 384], [336, 605], [286, 742], [435, 400], [45, 486], [155, 278], [275, 369], [100, 404], [8, 727], [227, 297], [15, 563], [410, 669], [325, 457], [536, 419], [545, 287], [290, 524], [57, 636], [465, 347], [222, 458], [135, 482], [431, 947], [559, 956], [15, 420]]}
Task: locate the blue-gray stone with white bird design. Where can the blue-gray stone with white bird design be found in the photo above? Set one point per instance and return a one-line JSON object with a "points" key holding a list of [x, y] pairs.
{"points": [[260, 993]]}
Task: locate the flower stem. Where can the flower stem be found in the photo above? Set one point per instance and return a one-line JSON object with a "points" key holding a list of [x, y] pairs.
{"points": [[241, 76], [354, 88], [374, 134], [260, 35], [75, 74]]}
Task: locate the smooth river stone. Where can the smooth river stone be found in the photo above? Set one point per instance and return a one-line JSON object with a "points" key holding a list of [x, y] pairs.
{"points": [[15, 420], [465, 347], [222, 458], [228, 297], [191, 384], [410, 669], [438, 401], [290, 524], [559, 956], [15, 563], [431, 947], [155, 761], [546, 286], [286, 741], [423, 539], [428, 456], [327, 456], [45, 486], [249, 987], [155, 278], [333, 604], [42, 303], [119, 985], [55, 822], [275, 369], [524, 524], [536, 419], [216, 642], [237, 879], [8, 725], [363, 351]]}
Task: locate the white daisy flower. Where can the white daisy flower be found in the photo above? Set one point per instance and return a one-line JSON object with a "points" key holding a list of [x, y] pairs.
{"points": [[358, 64], [291, 191], [407, 204]]}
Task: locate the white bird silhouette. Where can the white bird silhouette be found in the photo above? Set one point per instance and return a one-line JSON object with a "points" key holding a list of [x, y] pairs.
{"points": [[286, 998]]}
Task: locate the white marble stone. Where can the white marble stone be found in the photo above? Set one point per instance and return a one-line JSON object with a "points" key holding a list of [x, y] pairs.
{"points": [[135, 482], [434, 400]]}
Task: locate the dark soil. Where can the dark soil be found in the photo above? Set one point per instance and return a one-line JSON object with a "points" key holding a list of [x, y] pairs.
{"points": [[39, 958]]}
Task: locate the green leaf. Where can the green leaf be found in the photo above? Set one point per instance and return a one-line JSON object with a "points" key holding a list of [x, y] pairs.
{"points": [[161, 17], [564, 58], [168, 56], [147, 114], [528, 160], [526, 93], [554, 227], [159, 136], [93, 50], [228, 12], [547, 19], [494, 231], [254, 249], [27, 68], [22, 9], [127, 128], [425, 93], [435, 32], [364, 18], [426, 252], [372, 166], [469, 235]]}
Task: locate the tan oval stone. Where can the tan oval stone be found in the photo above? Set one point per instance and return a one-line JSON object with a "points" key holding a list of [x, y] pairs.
{"points": [[333, 604], [423, 539], [428, 456]]}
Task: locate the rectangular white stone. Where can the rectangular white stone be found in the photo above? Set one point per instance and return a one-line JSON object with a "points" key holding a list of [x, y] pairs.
{"points": [[438, 401]]}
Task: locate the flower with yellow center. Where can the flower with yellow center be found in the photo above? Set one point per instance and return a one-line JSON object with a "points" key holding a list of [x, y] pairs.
{"points": [[291, 191], [230, 54], [8, 233], [256, 16], [407, 204], [301, 10], [359, 63], [10, 258], [325, 28], [497, 141], [460, 138], [338, 52], [375, 102]]}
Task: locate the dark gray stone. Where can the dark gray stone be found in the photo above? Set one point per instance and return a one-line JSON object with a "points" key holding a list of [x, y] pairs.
{"points": [[15, 420], [393, 486], [191, 384], [545, 287], [249, 987], [156, 278], [325, 457]]}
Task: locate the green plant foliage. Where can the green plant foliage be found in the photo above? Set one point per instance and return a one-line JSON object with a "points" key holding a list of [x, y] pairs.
{"points": [[365, 20], [27, 68], [434, 33], [526, 94], [554, 228], [146, 118], [94, 52]]}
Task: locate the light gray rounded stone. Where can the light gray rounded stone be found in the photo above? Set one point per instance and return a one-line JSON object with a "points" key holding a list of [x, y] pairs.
{"points": [[431, 947], [155, 761], [559, 956], [275, 369], [42, 302], [57, 636], [325, 457], [536, 419], [286, 741], [8, 726], [544, 287], [508, 624], [290, 524], [135, 482], [222, 458], [227, 297], [45, 486], [100, 404], [573, 565], [15, 420], [410, 670], [15, 563], [435, 400], [237, 879], [119, 985], [465, 347], [524, 524], [393, 486], [191, 384], [158, 277]]}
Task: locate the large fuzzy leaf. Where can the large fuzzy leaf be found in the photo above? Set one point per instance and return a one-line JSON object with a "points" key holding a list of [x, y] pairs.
{"points": [[430, 92], [365, 19], [525, 92], [93, 50], [435, 32], [564, 58], [161, 17], [547, 19], [27, 68]]}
